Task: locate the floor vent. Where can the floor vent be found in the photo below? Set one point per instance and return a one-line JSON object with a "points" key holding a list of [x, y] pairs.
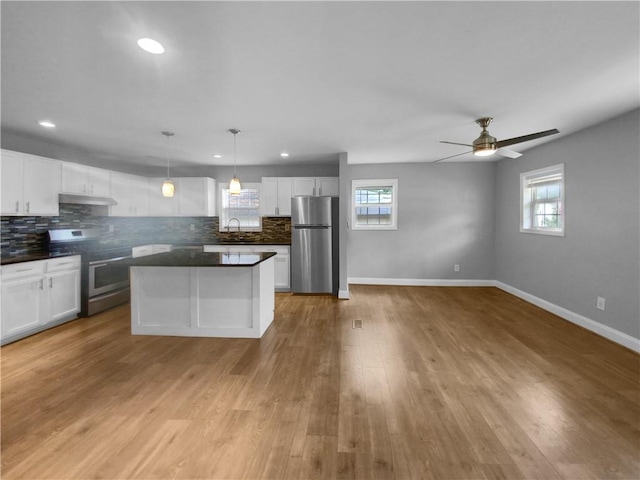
{"points": [[357, 324]]}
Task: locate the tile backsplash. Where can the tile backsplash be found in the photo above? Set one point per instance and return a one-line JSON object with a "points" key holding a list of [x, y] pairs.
{"points": [[20, 235]]}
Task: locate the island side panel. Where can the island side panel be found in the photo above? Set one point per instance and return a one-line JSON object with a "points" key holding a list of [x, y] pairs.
{"points": [[224, 297], [264, 299], [160, 298]]}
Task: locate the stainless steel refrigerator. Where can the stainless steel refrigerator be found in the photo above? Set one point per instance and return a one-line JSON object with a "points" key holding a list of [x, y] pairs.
{"points": [[313, 242]]}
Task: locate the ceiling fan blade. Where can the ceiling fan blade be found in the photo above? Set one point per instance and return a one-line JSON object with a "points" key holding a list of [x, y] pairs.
{"points": [[505, 152], [525, 138], [454, 143], [452, 156]]}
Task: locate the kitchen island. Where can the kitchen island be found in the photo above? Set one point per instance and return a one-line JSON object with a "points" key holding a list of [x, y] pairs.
{"points": [[202, 294]]}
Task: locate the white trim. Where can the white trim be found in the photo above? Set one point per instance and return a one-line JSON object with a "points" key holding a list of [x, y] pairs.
{"points": [[364, 183], [344, 294], [525, 178], [591, 325], [421, 282]]}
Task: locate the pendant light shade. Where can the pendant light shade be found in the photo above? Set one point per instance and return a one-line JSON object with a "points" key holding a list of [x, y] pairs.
{"points": [[168, 188], [234, 185]]}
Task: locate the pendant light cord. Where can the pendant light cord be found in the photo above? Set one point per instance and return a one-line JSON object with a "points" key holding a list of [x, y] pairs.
{"points": [[234, 154]]}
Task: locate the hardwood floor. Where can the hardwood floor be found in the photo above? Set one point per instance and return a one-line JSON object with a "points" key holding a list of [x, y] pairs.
{"points": [[443, 383]]}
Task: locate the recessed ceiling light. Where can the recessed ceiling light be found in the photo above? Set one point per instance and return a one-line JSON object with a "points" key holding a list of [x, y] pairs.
{"points": [[284, 154], [46, 124], [151, 46], [217, 155]]}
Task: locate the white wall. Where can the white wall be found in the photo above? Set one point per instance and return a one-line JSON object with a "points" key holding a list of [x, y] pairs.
{"points": [[445, 217], [600, 252]]}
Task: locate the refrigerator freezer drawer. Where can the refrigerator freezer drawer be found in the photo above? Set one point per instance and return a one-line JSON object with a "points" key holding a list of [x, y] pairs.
{"points": [[311, 269]]}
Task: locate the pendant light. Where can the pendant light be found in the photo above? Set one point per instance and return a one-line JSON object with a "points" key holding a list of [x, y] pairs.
{"points": [[234, 185], [168, 188]]}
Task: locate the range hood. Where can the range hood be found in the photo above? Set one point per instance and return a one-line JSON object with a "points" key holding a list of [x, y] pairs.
{"points": [[85, 199]]}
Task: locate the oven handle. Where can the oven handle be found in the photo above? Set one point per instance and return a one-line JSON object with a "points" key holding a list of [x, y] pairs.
{"points": [[103, 263]]}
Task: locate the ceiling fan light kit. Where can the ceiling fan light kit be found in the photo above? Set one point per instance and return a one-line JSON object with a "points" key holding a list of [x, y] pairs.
{"points": [[486, 145]]}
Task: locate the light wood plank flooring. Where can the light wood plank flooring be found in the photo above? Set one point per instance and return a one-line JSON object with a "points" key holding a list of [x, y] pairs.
{"points": [[442, 383]]}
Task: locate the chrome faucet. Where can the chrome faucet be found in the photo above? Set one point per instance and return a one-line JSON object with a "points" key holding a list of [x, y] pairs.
{"points": [[229, 224]]}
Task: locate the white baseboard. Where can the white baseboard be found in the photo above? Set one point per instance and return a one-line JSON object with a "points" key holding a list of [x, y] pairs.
{"points": [[605, 331], [421, 282], [598, 328], [344, 294]]}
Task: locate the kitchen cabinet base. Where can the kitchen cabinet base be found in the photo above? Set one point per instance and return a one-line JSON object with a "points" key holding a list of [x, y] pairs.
{"points": [[234, 302], [32, 331]]}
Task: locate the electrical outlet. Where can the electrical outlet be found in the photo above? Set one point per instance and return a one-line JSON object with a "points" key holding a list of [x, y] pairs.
{"points": [[192, 227], [600, 303], [456, 268]]}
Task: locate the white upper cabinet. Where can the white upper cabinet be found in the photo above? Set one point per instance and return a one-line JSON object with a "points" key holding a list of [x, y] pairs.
{"points": [[132, 194], [316, 186], [30, 184], [85, 180], [193, 197], [327, 187], [276, 196], [196, 197]]}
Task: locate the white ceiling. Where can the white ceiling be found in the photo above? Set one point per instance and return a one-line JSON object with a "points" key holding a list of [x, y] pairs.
{"points": [[383, 81]]}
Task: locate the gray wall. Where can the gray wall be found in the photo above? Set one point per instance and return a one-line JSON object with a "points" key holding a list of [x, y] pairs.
{"points": [[600, 252], [445, 216]]}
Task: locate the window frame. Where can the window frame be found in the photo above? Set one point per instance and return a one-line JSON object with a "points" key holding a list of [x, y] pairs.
{"points": [[224, 190], [363, 183], [527, 205]]}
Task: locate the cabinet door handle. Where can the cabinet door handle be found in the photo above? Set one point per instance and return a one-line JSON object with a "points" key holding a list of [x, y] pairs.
{"points": [[320, 192], [92, 188], [277, 210], [314, 191], [23, 270], [17, 206], [28, 207], [84, 188], [65, 263], [50, 282], [41, 284]]}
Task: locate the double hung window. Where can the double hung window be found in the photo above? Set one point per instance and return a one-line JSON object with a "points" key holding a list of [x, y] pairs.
{"points": [[374, 204], [241, 212], [542, 201]]}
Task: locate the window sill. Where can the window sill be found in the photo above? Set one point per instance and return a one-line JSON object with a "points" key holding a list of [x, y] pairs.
{"points": [[552, 233]]}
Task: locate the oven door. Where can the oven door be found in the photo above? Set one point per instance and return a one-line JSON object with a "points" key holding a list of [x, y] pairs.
{"points": [[108, 275]]}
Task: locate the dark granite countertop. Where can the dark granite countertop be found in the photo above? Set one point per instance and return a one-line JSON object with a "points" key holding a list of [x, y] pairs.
{"points": [[31, 257], [195, 258]]}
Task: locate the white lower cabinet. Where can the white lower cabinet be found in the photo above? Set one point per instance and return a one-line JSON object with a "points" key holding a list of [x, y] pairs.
{"points": [[282, 260], [144, 250], [37, 295]]}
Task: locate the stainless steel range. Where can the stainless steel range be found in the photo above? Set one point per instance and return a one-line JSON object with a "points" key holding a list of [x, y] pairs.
{"points": [[105, 268]]}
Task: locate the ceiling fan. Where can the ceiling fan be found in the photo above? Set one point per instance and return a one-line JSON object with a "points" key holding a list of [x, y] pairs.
{"points": [[486, 145]]}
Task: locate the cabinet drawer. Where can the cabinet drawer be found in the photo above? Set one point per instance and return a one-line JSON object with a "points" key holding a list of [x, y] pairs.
{"points": [[161, 248], [63, 263], [142, 251], [214, 248], [25, 269]]}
